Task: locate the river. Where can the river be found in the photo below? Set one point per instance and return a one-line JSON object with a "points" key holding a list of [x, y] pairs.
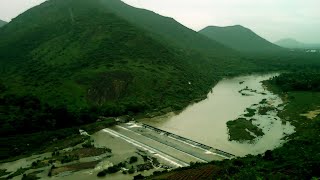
{"points": [[205, 121]]}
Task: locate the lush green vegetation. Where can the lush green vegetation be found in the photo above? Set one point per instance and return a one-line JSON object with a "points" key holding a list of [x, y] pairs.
{"points": [[27, 114], [302, 81], [103, 58], [63, 72], [3, 172], [239, 130], [265, 109], [133, 159], [15, 146], [76, 65], [250, 112], [29, 177], [18, 172], [171, 32], [111, 170], [2, 23]]}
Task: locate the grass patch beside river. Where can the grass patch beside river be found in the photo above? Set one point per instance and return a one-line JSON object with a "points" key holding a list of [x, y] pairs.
{"points": [[243, 130]]}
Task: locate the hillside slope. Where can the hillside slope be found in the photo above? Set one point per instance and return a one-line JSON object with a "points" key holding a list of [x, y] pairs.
{"points": [[2, 23], [83, 57], [167, 29], [240, 38], [84, 61]]}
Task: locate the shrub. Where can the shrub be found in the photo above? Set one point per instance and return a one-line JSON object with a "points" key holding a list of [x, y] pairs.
{"points": [[87, 144], [138, 177], [133, 159], [131, 170], [102, 173], [113, 169]]}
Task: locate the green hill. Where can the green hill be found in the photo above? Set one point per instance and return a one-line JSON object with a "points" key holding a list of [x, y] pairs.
{"points": [[83, 61], [2, 23], [167, 29], [240, 38], [83, 54], [294, 44], [83, 58]]}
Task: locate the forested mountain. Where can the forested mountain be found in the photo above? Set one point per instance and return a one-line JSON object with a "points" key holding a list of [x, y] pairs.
{"points": [[2, 23], [83, 54], [294, 44], [240, 38], [90, 58], [86, 59], [83, 61], [167, 29]]}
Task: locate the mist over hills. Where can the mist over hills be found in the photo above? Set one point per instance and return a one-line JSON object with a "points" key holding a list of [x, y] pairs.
{"points": [[2, 23], [240, 38], [294, 44]]}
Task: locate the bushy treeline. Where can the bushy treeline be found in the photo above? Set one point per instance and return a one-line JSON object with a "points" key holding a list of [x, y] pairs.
{"points": [[302, 81], [27, 114]]}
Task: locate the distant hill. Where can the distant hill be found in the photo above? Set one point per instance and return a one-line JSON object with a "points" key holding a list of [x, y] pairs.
{"points": [[294, 44], [2, 23], [240, 38]]}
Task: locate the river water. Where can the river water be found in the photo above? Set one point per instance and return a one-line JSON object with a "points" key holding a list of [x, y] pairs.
{"points": [[205, 121]]}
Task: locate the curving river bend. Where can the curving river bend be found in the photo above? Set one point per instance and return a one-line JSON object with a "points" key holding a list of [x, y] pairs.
{"points": [[205, 121]]}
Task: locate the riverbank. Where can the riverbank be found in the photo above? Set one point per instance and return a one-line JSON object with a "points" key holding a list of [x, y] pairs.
{"points": [[22, 144], [261, 101], [97, 153], [298, 158], [232, 98]]}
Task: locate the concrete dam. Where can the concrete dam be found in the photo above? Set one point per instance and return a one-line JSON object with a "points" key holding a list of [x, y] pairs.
{"points": [[177, 150]]}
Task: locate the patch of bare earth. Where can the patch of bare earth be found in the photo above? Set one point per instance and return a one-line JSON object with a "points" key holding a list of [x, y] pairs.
{"points": [[88, 152], [74, 167], [311, 114]]}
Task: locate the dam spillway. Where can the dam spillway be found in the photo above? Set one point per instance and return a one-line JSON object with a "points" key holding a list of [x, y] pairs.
{"points": [[177, 150]]}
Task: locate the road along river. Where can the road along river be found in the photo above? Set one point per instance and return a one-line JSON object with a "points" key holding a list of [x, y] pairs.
{"points": [[205, 122]]}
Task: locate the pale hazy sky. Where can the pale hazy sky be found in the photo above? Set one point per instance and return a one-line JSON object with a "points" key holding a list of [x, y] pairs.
{"points": [[272, 19]]}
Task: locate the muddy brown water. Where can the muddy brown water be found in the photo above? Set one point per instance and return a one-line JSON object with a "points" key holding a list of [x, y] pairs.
{"points": [[205, 121]]}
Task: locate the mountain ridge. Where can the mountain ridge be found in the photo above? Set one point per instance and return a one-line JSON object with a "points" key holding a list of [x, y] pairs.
{"points": [[240, 38], [68, 52], [167, 28], [293, 43]]}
